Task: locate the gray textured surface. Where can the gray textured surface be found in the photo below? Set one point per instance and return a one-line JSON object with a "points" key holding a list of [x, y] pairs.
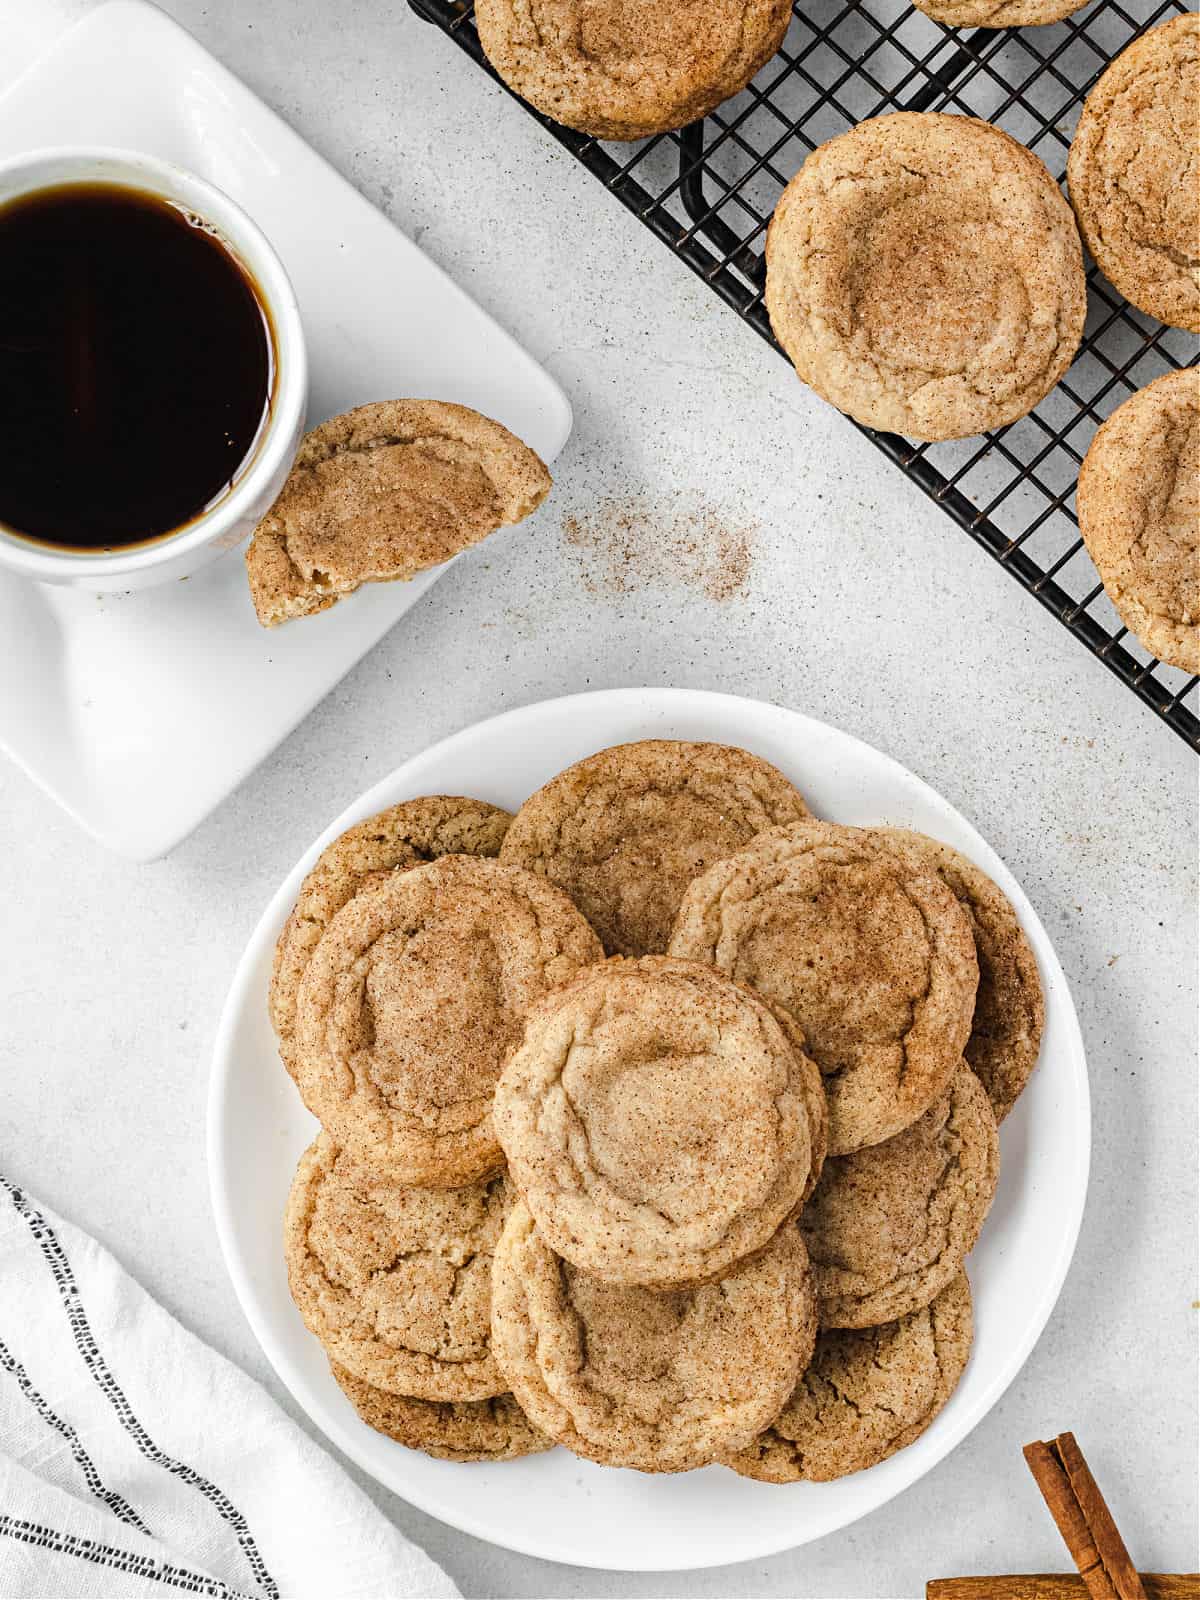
{"points": [[864, 606]]}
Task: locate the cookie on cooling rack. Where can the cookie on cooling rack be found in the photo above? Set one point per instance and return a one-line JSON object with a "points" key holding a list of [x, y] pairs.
{"points": [[1138, 502], [625, 69], [998, 13], [925, 276], [1134, 173]]}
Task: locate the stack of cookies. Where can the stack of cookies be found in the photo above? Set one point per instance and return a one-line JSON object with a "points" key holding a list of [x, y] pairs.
{"points": [[658, 1120]]}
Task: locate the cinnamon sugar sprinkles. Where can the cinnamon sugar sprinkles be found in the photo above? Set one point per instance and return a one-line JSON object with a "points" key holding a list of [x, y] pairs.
{"points": [[630, 543]]}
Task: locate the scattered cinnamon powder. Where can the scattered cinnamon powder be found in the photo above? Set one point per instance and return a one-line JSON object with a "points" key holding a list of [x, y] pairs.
{"points": [[622, 545]]}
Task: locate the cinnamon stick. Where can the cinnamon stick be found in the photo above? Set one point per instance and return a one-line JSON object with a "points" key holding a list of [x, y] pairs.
{"points": [[1122, 1573], [1083, 1519], [1053, 1586], [1042, 1460]]}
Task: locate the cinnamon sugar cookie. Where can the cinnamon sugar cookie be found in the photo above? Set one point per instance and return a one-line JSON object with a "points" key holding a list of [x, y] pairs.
{"points": [[870, 952], [998, 13], [395, 1281], [453, 1430], [625, 831], [412, 1000], [382, 493], [402, 836], [1134, 172], [624, 69], [1006, 1030], [812, 1088], [867, 1393], [633, 1378], [888, 1227], [656, 1122], [1139, 513], [924, 274]]}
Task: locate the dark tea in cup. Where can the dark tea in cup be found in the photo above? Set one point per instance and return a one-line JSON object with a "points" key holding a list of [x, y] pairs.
{"points": [[137, 363]]}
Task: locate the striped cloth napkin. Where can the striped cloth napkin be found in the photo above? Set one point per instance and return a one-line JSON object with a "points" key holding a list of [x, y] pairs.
{"points": [[135, 1461]]}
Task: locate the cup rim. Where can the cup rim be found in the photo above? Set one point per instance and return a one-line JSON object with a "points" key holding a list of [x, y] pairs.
{"points": [[247, 241]]}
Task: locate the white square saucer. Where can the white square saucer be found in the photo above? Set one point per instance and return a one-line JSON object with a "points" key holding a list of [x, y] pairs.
{"points": [[140, 712]]}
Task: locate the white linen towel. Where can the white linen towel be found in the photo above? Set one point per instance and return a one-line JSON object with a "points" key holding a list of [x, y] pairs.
{"points": [[136, 1462]]}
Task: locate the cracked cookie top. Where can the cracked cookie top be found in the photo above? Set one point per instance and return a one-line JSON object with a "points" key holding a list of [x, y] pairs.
{"points": [[888, 1227], [403, 836], [495, 1429], [626, 830], [656, 1120], [924, 274], [1134, 172], [625, 69], [411, 1001], [1139, 512], [1006, 1029], [382, 493], [634, 1378], [869, 952], [395, 1281], [867, 1393]]}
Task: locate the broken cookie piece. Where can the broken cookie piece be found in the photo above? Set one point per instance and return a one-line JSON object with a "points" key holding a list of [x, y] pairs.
{"points": [[381, 493]]}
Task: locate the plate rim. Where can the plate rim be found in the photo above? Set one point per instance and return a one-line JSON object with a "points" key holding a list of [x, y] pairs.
{"points": [[634, 700]]}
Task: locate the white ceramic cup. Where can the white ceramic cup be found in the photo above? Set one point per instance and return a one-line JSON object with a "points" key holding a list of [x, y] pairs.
{"points": [[230, 519]]}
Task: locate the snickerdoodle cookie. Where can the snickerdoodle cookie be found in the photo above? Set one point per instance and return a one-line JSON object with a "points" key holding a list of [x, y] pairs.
{"points": [[625, 831], [656, 1121], [453, 1430], [411, 1002], [382, 493], [658, 1381], [1006, 1030], [867, 949], [1138, 501], [625, 69], [867, 1393], [402, 836], [812, 1087], [395, 1281], [924, 274], [1134, 172], [888, 1227], [998, 13]]}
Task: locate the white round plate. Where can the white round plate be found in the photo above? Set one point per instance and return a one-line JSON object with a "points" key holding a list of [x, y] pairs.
{"points": [[554, 1505]]}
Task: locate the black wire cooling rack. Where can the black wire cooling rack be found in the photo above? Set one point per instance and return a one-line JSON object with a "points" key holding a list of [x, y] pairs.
{"points": [[708, 192]]}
